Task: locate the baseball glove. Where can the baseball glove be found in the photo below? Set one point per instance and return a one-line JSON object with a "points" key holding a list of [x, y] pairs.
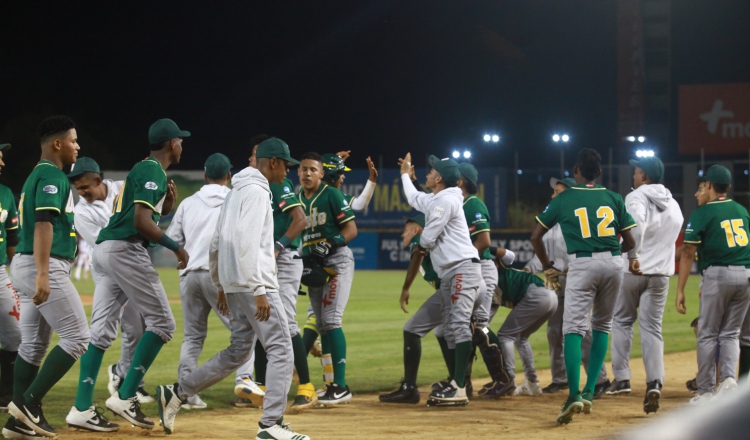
{"points": [[314, 274], [552, 278]]}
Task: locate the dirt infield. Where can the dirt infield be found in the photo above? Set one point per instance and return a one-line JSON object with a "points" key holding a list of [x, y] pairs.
{"points": [[509, 418]]}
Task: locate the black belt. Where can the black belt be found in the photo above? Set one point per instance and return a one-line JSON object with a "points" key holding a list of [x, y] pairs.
{"points": [[475, 260]]}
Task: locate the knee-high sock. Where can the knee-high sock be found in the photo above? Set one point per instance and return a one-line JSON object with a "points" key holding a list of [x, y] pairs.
{"points": [[573, 362], [338, 355], [145, 353], [24, 374], [463, 352], [449, 356], [7, 361], [300, 359], [261, 363], [744, 363], [599, 346], [412, 357], [91, 362], [58, 363]]}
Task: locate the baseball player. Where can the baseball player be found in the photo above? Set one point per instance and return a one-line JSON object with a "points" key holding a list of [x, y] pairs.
{"points": [[645, 284], [289, 221], [330, 227], [41, 274], [556, 251], [125, 271], [10, 332], [456, 262], [591, 217], [718, 232], [83, 261], [193, 226], [243, 268]]}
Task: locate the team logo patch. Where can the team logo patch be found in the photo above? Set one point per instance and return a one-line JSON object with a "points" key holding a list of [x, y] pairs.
{"points": [[546, 208], [688, 225], [286, 189], [438, 211], [14, 220], [346, 203], [4, 216], [472, 228], [50, 189], [478, 215], [340, 216], [282, 204], [151, 185]]}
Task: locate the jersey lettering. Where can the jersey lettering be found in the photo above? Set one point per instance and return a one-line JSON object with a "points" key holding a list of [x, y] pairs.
{"points": [[603, 229], [20, 210], [316, 219], [118, 199], [736, 235]]}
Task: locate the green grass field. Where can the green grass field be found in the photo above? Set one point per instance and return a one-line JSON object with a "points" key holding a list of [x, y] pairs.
{"points": [[373, 324]]}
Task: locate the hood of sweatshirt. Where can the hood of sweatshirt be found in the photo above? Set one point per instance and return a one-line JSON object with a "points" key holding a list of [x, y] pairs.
{"points": [[250, 176], [658, 194], [212, 195]]}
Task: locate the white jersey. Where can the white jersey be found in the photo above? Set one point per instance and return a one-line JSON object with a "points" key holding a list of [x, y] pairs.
{"points": [[557, 251], [90, 218], [446, 233], [659, 220]]}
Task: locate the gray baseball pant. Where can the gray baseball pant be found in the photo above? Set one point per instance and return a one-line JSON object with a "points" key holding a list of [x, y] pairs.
{"points": [[593, 283], [427, 318], [328, 302], [62, 312], [527, 316], [127, 275], [198, 295], [642, 297], [483, 313], [10, 314], [289, 272], [460, 294], [725, 298], [273, 334]]}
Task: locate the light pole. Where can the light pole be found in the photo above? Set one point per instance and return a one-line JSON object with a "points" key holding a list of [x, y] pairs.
{"points": [[564, 139]]}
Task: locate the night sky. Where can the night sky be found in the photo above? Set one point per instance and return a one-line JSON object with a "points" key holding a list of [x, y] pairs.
{"points": [[376, 77]]}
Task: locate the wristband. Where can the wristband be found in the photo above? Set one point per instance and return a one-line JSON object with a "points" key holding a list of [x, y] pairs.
{"points": [[169, 243], [493, 251], [282, 243], [337, 240]]}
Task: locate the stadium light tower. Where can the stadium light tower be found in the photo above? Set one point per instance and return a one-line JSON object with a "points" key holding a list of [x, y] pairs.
{"points": [[456, 154], [467, 154], [561, 139]]}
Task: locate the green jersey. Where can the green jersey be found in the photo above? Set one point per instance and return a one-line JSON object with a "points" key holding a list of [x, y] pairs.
{"points": [[478, 219], [327, 211], [720, 231], [146, 184], [8, 219], [590, 217], [284, 199], [47, 189], [428, 272], [513, 284]]}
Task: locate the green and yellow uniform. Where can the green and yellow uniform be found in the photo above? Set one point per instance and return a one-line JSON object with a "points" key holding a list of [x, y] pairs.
{"points": [[284, 199], [428, 272], [326, 211], [478, 219], [8, 219], [47, 189], [513, 284], [146, 184], [719, 230]]}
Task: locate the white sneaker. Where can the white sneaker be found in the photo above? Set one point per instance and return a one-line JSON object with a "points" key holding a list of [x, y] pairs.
{"points": [[130, 410], [90, 420], [169, 405], [322, 391], [195, 402], [528, 389], [144, 396], [726, 387], [701, 399], [279, 431], [247, 389], [114, 380]]}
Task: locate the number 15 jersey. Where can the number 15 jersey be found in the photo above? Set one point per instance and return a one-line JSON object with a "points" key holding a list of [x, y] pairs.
{"points": [[719, 230], [590, 217]]}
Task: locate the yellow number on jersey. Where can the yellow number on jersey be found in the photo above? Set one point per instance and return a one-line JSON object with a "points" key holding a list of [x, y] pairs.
{"points": [[736, 235], [20, 210], [118, 199], [603, 229]]}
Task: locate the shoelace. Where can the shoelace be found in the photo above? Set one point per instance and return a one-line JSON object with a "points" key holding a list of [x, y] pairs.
{"points": [[135, 405], [99, 411]]}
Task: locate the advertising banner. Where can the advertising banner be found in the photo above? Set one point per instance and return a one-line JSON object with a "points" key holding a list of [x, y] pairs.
{"points": [[715, 118]]}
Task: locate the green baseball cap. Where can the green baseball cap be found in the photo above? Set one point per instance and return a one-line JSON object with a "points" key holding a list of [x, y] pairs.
{"points": [[568, 181], [275, 147], [467, 170], [84, 165], [447, 168], [217, 165], [417, 218], [717, 174], [165, 130], [652, 166], [4, 147]]}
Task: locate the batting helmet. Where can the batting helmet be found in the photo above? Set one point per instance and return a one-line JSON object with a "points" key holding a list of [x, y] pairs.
{"points": [[333, 166]]}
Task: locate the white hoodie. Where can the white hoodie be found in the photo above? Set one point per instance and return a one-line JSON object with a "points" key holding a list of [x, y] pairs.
{"points": [[241, 257], [90, 218], [194, 224], [446, 233], [659, 220]]}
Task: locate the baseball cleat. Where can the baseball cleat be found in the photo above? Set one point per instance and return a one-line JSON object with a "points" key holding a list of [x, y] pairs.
{"points": [[14, 429], [279, 431], [555, 387], [4, 401], [194, 402], [587, 397], [434, 402], [242, 403], [404, 394], [726, 387], [114, 380], [451, 395], [144, 396], [701, 399], [437, 386], [90, 420], [169, 405], [601, 388], [692, 385], [495, 390], [130, 410], [619, 387], [32, 416], [528, 389], [335, 395], [653, 394], [571, 407], [317, 349], [247, 389], [322, 391], [306, 398]]}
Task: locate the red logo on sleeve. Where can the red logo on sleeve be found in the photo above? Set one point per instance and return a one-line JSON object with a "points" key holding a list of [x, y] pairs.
{"points": [[472, 228], [340, 216], [282, 204]]}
